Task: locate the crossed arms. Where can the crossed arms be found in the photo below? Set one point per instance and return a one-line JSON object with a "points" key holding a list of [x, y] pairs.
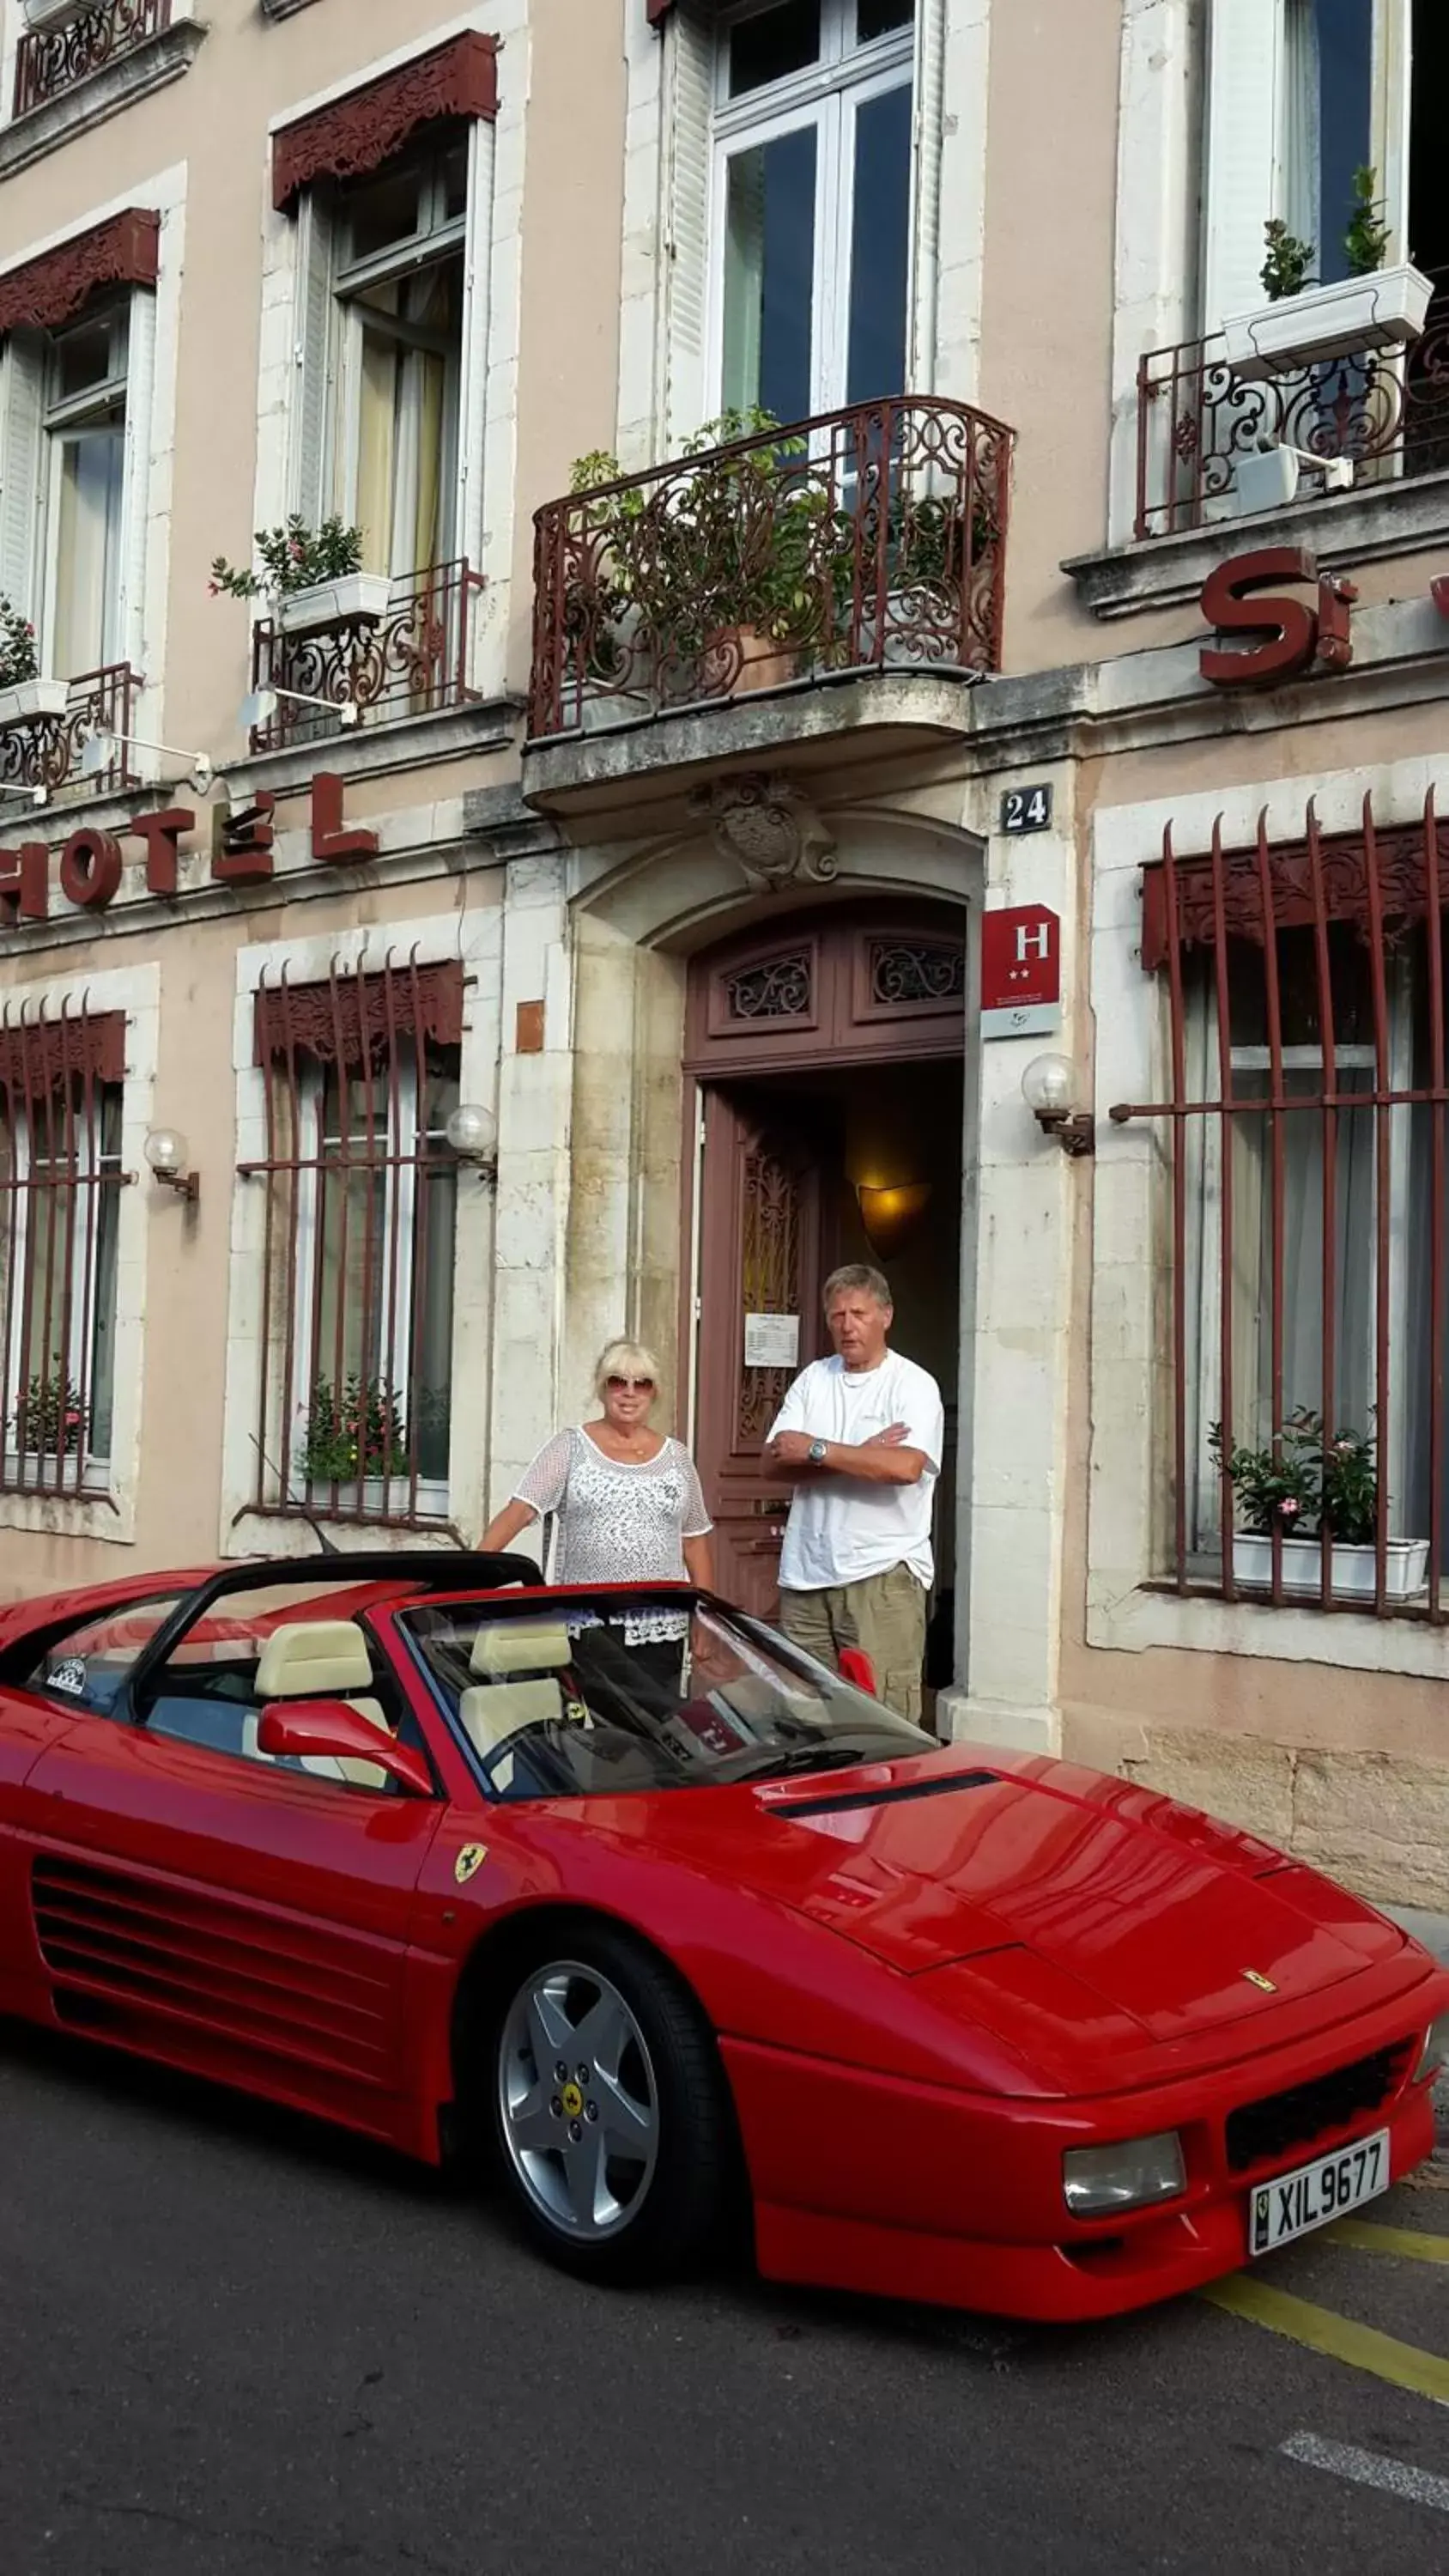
{"points": [[887, 1460]]}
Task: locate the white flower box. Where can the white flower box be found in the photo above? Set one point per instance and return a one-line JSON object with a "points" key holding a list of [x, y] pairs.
{"points": [[1353, 1569], [1384, 311], [26, 699], [51, 13], [353, 599]]}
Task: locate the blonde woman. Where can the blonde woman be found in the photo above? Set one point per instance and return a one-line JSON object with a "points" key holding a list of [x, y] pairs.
{"points": [[629, 1503]]}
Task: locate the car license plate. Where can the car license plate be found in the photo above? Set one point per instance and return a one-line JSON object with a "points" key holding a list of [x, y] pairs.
{"points": [[1297, 2202]]}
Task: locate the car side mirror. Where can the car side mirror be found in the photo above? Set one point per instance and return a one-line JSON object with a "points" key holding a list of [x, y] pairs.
{"points": [[857, 1669], [302, 1727]]}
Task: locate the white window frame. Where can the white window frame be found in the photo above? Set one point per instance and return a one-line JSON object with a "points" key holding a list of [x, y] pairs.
{"points": [[1246, 175], [441, 237], [79, 411], [828, 96]]}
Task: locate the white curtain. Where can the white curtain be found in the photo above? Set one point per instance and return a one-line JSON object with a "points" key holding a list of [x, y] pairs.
{"points": [[1302, 205]]}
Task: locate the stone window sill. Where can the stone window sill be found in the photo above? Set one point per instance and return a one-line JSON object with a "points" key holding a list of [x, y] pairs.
{"points": [[377, 750], [1342, 528], [1135, 1621], [102, 94]]}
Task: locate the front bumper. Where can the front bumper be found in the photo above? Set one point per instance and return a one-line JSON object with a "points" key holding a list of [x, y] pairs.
{"points": [[909, 2191]]}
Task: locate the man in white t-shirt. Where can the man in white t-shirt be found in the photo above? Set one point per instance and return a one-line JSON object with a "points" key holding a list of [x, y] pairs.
{"points": [[861, 1436]]}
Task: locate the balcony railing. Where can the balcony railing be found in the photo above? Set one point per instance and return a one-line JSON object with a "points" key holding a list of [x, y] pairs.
{"points": [[1385, 412], [52, 59], [415, 659], [43, 750], [858, 541]]}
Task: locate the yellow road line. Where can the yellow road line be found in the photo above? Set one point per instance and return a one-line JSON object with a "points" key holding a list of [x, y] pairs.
{"points": [[1368, 2239], [1362, 2347]]}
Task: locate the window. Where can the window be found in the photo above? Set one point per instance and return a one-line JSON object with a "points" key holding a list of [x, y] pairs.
{"points": [[60, 1184], [361, 1075], [812, 204], [398, 288], [84, 475], [1310, 1223], [1328, 83]]}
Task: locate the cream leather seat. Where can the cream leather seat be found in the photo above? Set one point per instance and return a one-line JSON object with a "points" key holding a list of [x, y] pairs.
{"points": [[523, 1662], [323, 1659]]}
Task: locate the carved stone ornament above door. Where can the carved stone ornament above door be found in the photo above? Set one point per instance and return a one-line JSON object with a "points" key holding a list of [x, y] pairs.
{"points": [[769, 828]]}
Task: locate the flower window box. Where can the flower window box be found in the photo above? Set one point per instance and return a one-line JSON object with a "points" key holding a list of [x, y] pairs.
{"points": [[1385, 310], [1353, 1569], [352, 599], [25, 700]]}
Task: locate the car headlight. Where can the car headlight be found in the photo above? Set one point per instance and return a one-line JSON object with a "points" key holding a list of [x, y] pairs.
{"points": [[1436, 2050], [1097, 2180]]}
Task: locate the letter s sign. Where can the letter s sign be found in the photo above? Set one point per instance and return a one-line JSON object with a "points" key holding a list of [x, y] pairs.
{"points": [[1286, 629]]}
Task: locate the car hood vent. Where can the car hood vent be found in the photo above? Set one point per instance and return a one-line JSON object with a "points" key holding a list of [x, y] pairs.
{"points": [[894, 1794]]}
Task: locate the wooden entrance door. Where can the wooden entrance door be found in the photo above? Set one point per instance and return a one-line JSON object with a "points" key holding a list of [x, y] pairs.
{"points": [[760, 1254], [832, 991]]}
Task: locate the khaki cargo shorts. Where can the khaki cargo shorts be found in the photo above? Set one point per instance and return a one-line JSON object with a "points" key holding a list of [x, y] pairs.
{"points": [[885, 1615]]}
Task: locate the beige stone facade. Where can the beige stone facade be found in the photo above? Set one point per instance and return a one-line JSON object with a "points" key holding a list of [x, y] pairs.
{"points": [[405, 266]]}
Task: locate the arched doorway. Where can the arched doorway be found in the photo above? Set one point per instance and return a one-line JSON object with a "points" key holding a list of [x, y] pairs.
{"points": [[825, 1058]]}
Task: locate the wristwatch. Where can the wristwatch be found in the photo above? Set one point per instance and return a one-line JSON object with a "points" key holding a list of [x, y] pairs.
{"points": [[817, 1452]]}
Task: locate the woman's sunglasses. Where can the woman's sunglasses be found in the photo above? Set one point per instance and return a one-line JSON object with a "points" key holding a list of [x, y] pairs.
{"points": [[631, 1386]]}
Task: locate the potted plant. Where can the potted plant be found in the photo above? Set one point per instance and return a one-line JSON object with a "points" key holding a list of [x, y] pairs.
{"points": [[1303, 1484], [23, 693], [354, 1440], [1374, 307], [715, 579], [50, 1420], [310, 577]]}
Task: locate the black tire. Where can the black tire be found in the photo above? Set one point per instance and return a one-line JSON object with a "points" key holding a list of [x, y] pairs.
{"points": [[671, 2215]]}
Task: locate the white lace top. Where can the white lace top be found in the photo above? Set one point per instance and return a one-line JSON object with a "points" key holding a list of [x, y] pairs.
{"points": [[619, 1520]]}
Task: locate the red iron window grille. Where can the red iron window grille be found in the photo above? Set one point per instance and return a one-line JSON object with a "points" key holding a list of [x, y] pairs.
{"points": [[60, 1185], [1305, 1270], [360, 1075]]}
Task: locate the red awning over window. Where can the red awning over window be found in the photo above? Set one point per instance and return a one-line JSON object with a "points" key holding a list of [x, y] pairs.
{"points": [[357, 134], [42, 293], [354, 1020]]}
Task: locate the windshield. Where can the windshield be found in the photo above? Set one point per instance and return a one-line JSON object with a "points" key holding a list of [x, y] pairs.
{"points": [[566, 1698]]}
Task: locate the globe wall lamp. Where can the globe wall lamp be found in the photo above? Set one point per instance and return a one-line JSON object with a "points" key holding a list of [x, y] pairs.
{"points": [[1049, 1088], [471, 1132], [166, 1152]]}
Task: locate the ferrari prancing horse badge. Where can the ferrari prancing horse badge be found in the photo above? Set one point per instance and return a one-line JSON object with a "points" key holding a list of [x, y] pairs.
{"points": [[471, 1857]]}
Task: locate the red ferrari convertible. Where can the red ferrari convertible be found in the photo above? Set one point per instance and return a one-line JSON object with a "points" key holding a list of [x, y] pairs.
{"points": [[620, 1886]]}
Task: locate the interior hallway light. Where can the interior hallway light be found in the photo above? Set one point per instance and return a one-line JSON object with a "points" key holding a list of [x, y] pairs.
{"points": [[891, 1215], [1049, 1088]]}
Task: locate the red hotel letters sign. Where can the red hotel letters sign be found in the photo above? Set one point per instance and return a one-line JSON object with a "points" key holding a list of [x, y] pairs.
{"points": [[88, 866]]}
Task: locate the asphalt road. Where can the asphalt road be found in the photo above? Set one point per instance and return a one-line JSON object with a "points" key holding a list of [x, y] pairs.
{"points": [[233, 2344]]}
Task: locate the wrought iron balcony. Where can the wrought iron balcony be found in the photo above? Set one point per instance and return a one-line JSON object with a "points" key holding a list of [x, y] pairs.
{"points": [[68, 46], [1383, 412], [863, 540], [412, 657], [42, 739]]}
